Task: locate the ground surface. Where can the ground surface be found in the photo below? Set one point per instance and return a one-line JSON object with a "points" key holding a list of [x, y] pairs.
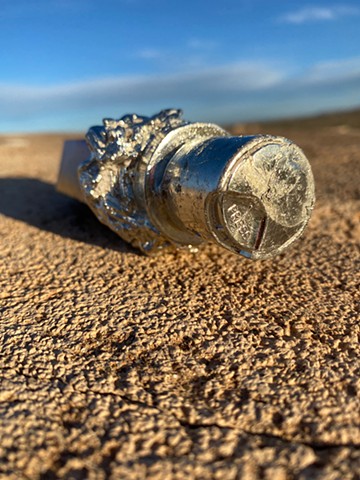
{"points": [[114, 365]]}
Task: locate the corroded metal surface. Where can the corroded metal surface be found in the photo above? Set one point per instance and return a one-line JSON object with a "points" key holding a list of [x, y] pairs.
{"points": [[160, 182]]}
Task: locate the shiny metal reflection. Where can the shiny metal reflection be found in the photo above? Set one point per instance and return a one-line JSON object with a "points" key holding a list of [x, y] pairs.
{"points": [[160, 182]]}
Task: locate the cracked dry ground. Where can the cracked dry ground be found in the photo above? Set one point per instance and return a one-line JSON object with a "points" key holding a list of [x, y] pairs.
{"points": [[118, 366]]}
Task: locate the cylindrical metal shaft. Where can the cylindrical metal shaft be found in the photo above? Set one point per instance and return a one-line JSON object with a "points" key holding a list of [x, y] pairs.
{"points": [[251, 194]]}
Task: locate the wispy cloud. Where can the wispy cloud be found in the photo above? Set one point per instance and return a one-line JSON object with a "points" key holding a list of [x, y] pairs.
{"points": [[241, 91], [316, 14], [229, 79], [331, 71]]}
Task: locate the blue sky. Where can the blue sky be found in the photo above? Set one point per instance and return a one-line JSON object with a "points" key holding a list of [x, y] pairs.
{"points": [[66, 64]]}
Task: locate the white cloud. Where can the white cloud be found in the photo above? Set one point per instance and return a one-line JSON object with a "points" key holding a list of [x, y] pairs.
{"points": [[313, 14], [331, 71], [241, 91], [228, 79]]}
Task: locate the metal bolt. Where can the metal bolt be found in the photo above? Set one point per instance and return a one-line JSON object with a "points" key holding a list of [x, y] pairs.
{"points": [[160, 182]]}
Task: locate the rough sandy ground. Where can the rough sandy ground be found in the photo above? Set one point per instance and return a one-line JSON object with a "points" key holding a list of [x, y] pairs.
{"points": [[118, 366]]}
